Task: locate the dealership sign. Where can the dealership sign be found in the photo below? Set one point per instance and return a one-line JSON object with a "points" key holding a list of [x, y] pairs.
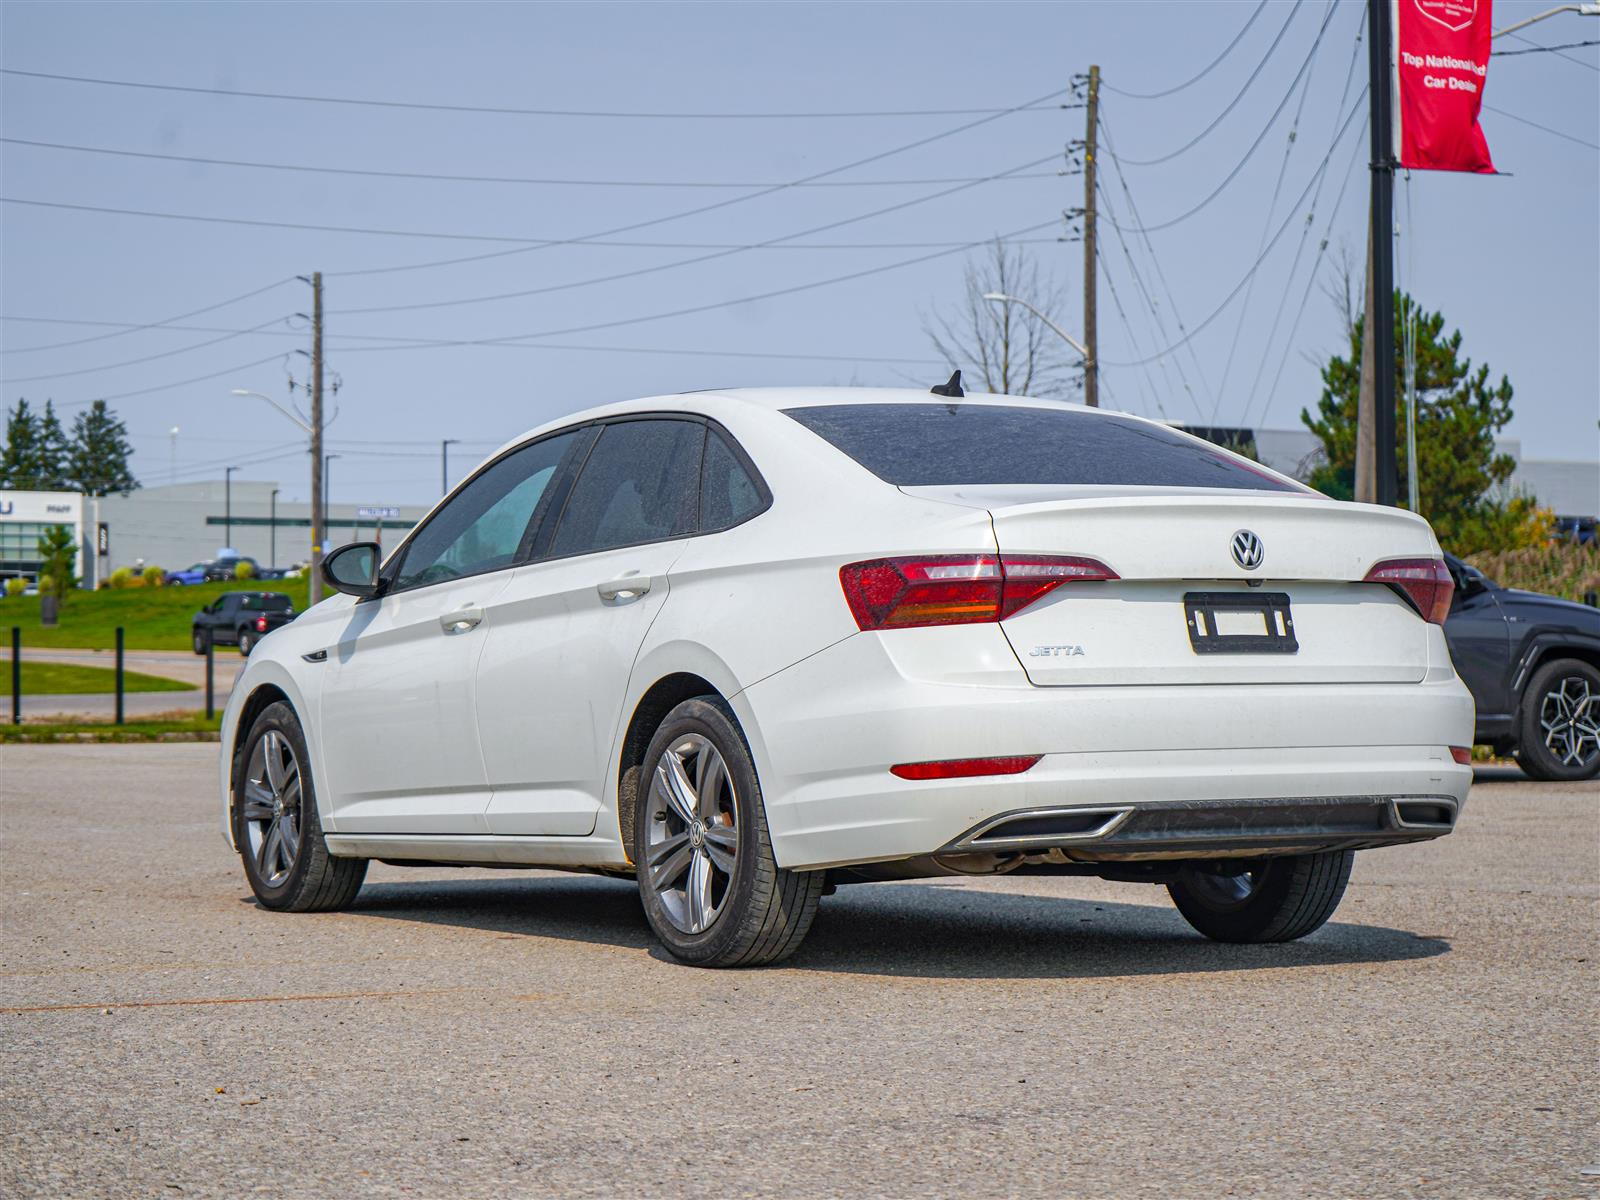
{"points": [[1441, 60], [41, 508]]}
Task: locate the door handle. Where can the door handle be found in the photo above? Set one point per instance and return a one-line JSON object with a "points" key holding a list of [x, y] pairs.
{"points": [[628, 586], [462, 619]]}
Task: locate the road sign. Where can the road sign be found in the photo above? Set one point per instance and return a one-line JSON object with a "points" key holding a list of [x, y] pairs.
{"points": [[374, 512]]}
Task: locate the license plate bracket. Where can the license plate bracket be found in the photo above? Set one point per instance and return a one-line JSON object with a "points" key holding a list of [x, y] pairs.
{"points": [[1228, 623]]}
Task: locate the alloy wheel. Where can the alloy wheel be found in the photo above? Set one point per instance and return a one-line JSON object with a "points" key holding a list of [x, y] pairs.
{"points": [[1569, 714], [272, 794], [694, 836]]}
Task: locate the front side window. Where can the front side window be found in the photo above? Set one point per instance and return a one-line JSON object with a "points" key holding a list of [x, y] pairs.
{"points": [[640, 484], [947, 444], [482, 526]]}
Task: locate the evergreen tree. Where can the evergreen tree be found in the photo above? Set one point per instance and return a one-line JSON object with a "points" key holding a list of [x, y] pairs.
{"points": [[97, 462], [53, 451], [19, 462], [1462, 481]]}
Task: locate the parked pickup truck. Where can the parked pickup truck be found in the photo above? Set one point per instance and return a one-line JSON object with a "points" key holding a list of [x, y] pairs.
{"points": [[240, 619]]}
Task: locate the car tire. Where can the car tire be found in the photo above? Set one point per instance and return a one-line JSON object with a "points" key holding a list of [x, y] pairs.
{"points": [[1269, 900], [735, 907], [276, 826], [247, 642], [199, 642], [1558, 735]]}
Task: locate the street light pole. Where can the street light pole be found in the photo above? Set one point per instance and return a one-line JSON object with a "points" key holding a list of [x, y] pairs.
{"points": [[227, 506], [1088, 356], [327, 484], [444, 465], [273, 555]]}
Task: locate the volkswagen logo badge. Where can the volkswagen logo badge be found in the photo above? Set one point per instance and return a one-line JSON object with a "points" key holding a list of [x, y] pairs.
{"points": [[1248, 550]]}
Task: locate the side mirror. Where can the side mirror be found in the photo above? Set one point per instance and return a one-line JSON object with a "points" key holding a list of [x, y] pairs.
{"points": [[1472, 581], [353, 569]]}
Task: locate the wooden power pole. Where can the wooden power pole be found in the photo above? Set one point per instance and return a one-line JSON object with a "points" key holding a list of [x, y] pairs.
{"points": [[318, 515], [1091, 266]]}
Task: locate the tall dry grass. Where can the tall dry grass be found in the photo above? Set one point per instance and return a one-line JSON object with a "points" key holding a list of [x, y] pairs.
{"points": [[1564, 569]]}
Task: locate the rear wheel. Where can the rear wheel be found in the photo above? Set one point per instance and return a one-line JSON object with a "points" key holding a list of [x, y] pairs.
{"points": [[247, 642], [1559, 738], [276, 827], [712, 891], [1269, 900]]}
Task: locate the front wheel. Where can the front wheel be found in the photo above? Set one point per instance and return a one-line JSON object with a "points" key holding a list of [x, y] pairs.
{"points": [[712, 891], [1559, 737], [275, 822], [199, 642], [1268, 900]]}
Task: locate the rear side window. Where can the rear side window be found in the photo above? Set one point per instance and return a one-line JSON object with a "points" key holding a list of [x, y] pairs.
{"points": [[270, 602], [727, 493], [933, 444], [640, 484]]}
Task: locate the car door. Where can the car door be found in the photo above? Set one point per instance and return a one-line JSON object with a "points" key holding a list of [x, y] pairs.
{"points": [[1480, 642], [568, 626], [399, 731], [221, 620]]}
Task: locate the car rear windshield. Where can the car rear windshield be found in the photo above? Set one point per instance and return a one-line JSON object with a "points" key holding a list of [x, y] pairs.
{"points": [[933, 444], [265, 602]]}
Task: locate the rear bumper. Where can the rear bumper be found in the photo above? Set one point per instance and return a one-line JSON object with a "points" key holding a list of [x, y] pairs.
{"points": [[1186, 770]]}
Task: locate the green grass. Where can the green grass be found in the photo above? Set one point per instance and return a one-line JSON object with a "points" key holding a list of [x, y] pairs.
{"points": [[69, 679], [154, 618], [195, 729]]}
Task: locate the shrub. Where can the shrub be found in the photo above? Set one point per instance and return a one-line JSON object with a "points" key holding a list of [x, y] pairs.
{"points": [[1563, 569], [244, 570], [123, 577], [16, 585], [47, 584], [154, 576]]}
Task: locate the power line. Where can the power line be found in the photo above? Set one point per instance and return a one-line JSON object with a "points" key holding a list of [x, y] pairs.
{"points": [[133, 362], [1249, 151], [1206, 70], [373, 173], [1539, 49], [162, 387], [1528, 41], [1255, 266], [719, 204], [495, 110], [683, 262], [1556, 132], [134, 328], [1232, 104], [441, 343]]}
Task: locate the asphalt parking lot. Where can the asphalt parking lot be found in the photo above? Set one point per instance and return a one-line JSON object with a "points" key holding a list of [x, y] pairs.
{"points": [[471, 1033]]}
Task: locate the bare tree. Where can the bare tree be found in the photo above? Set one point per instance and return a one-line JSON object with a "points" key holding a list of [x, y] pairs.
{"points": [[1005, 348]]}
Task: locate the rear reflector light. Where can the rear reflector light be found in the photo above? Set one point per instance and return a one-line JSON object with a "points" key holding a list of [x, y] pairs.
{"points": [[1462, 754], [1424, 582], [966, 768], [901, 593], [261, 624]]}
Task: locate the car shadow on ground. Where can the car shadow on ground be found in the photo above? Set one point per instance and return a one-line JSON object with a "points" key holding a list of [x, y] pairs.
{"points": [[926, 930]]}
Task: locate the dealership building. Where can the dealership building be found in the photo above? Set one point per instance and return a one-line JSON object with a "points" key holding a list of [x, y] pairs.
{"points": [[176, 525]]}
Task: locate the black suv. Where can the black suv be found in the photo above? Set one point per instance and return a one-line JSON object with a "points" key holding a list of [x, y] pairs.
{"points": [[240, 619], [1532, 663]]}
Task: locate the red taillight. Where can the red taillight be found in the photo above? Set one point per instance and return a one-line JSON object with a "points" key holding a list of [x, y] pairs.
{"points": [[966, 768], [1425, 582], [1462, 754], [261, 624], [901, 593]]}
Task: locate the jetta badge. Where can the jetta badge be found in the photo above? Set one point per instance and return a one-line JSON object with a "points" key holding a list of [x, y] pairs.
{"points": [[1248, 550]]}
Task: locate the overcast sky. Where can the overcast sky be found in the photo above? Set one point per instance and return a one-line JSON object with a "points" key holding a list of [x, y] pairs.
{"points": [[1513, 261]]}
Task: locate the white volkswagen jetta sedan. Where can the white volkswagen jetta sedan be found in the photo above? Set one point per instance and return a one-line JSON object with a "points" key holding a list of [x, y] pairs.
{"points": [[751, 645]]}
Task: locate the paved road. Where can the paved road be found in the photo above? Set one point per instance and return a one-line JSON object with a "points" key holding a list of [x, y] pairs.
{"points": [[468, 1033], [173, 664]]}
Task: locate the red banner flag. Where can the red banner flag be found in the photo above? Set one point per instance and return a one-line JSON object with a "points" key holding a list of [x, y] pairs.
{"points": [[1441, 62]]}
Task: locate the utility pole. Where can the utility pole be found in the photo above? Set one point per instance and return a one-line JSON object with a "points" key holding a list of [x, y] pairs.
{"points": [[327, 501], [1091, 266], [317, 514], [1380, 288], [444, 465], [227, 506], [273, 523]]}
